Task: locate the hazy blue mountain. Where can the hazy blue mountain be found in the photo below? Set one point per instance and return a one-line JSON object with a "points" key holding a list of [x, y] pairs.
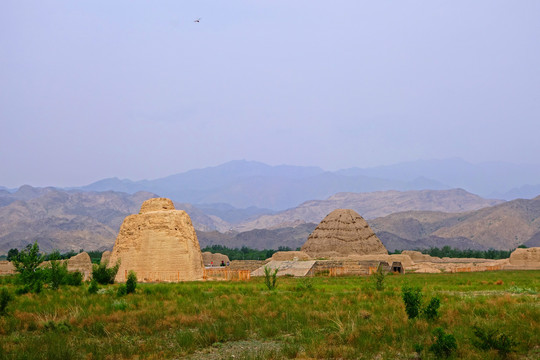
{"points": [[487, 179], [245, 184], [522, 192], [231, 214]]}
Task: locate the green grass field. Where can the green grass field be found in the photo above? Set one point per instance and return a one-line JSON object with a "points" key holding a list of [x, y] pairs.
{"points": [[321, 317]]}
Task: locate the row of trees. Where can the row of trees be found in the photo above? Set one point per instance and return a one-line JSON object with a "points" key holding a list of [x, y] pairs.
{"points": [[95, 256], [447, 251], [244, 253]]}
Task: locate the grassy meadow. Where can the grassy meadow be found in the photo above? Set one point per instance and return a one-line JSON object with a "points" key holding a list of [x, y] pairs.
{"points": [[320, 317]]}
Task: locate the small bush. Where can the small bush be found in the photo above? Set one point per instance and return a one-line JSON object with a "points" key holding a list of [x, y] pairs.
{"points": [[379, 276], [131, 282], [122, 291], [55, 274], [37, 287], [418, 348], [304, 284], [61, 326], [93, 288], [74, 278], [431, 311], [120, 305], [5, 298], [444, 345], [412, 297], [103, 274], [270, 278], [488, 339]]}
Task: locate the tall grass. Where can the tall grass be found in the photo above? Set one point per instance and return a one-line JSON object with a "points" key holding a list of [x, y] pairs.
{"points": [[337, 318]]}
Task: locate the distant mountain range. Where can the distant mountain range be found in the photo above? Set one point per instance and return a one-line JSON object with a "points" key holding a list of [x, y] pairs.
{"points": [[372, 205], [74, 219], [503, 226], [245, 184]]}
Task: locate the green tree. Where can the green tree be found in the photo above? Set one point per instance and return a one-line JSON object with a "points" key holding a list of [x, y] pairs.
{"points": [[27, 265], [56, 273], [12, 254]]}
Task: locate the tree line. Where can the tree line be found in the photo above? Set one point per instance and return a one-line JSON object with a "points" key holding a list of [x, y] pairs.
{"points": [[244, 253], [95, 256], [447, 251]]}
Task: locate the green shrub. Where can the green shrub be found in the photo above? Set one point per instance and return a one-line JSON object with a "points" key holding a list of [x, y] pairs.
{"points": [[5, 298], [104, 275], [131, 282], [431, 311], [26, 264], [412, 297], [444, 345], [93, 288], [119, 304], [488, 339], [56, 273], [379, 276], [37, 287], [74, 278], [304, 284], [270, 278], [61, 326], [122, 291]]}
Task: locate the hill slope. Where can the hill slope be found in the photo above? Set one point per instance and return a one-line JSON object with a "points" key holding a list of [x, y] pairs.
{"points": [[372, 205], [65, 220], [504, 226]]}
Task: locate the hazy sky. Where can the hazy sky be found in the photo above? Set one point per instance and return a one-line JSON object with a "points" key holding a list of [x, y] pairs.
{"points": [[137, 89]]}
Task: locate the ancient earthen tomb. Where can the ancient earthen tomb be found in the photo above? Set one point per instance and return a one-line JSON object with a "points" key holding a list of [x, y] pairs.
{"points": [[343, 232], [215, 259], [158, 244]]}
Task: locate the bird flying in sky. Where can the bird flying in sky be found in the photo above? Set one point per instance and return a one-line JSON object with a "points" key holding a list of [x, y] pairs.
{"points": [[198, 20]]}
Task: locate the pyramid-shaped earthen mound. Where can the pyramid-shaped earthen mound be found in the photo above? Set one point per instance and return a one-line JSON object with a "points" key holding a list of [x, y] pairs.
{"points": [[341, 233], [158, 244]]}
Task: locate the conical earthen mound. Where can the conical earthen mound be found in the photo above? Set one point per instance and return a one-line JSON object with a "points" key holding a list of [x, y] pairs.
{"points": [[341, 233], [158, 244]]}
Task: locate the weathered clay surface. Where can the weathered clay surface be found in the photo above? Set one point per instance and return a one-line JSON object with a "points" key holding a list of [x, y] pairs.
{"points": [[158, 244], [82, 263], [343, 232], [105, 257], [527, 258], [6, 268], [211, 259], [290, 256]]}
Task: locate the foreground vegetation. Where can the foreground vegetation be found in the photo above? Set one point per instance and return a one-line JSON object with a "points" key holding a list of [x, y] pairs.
{"points": [[321, 317]]}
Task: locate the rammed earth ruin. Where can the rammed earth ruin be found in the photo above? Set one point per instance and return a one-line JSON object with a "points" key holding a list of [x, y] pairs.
{"points": [[158, 244]]}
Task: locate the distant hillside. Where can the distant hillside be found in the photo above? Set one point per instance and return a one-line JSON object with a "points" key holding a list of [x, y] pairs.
{"points": [[372, 205], [293, 237], [72, 220], [504, 226]]}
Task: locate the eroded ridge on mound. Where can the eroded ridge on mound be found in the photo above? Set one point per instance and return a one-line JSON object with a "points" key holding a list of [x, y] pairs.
{"points": [[343, 232], [158, 244], [156, 204]]}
